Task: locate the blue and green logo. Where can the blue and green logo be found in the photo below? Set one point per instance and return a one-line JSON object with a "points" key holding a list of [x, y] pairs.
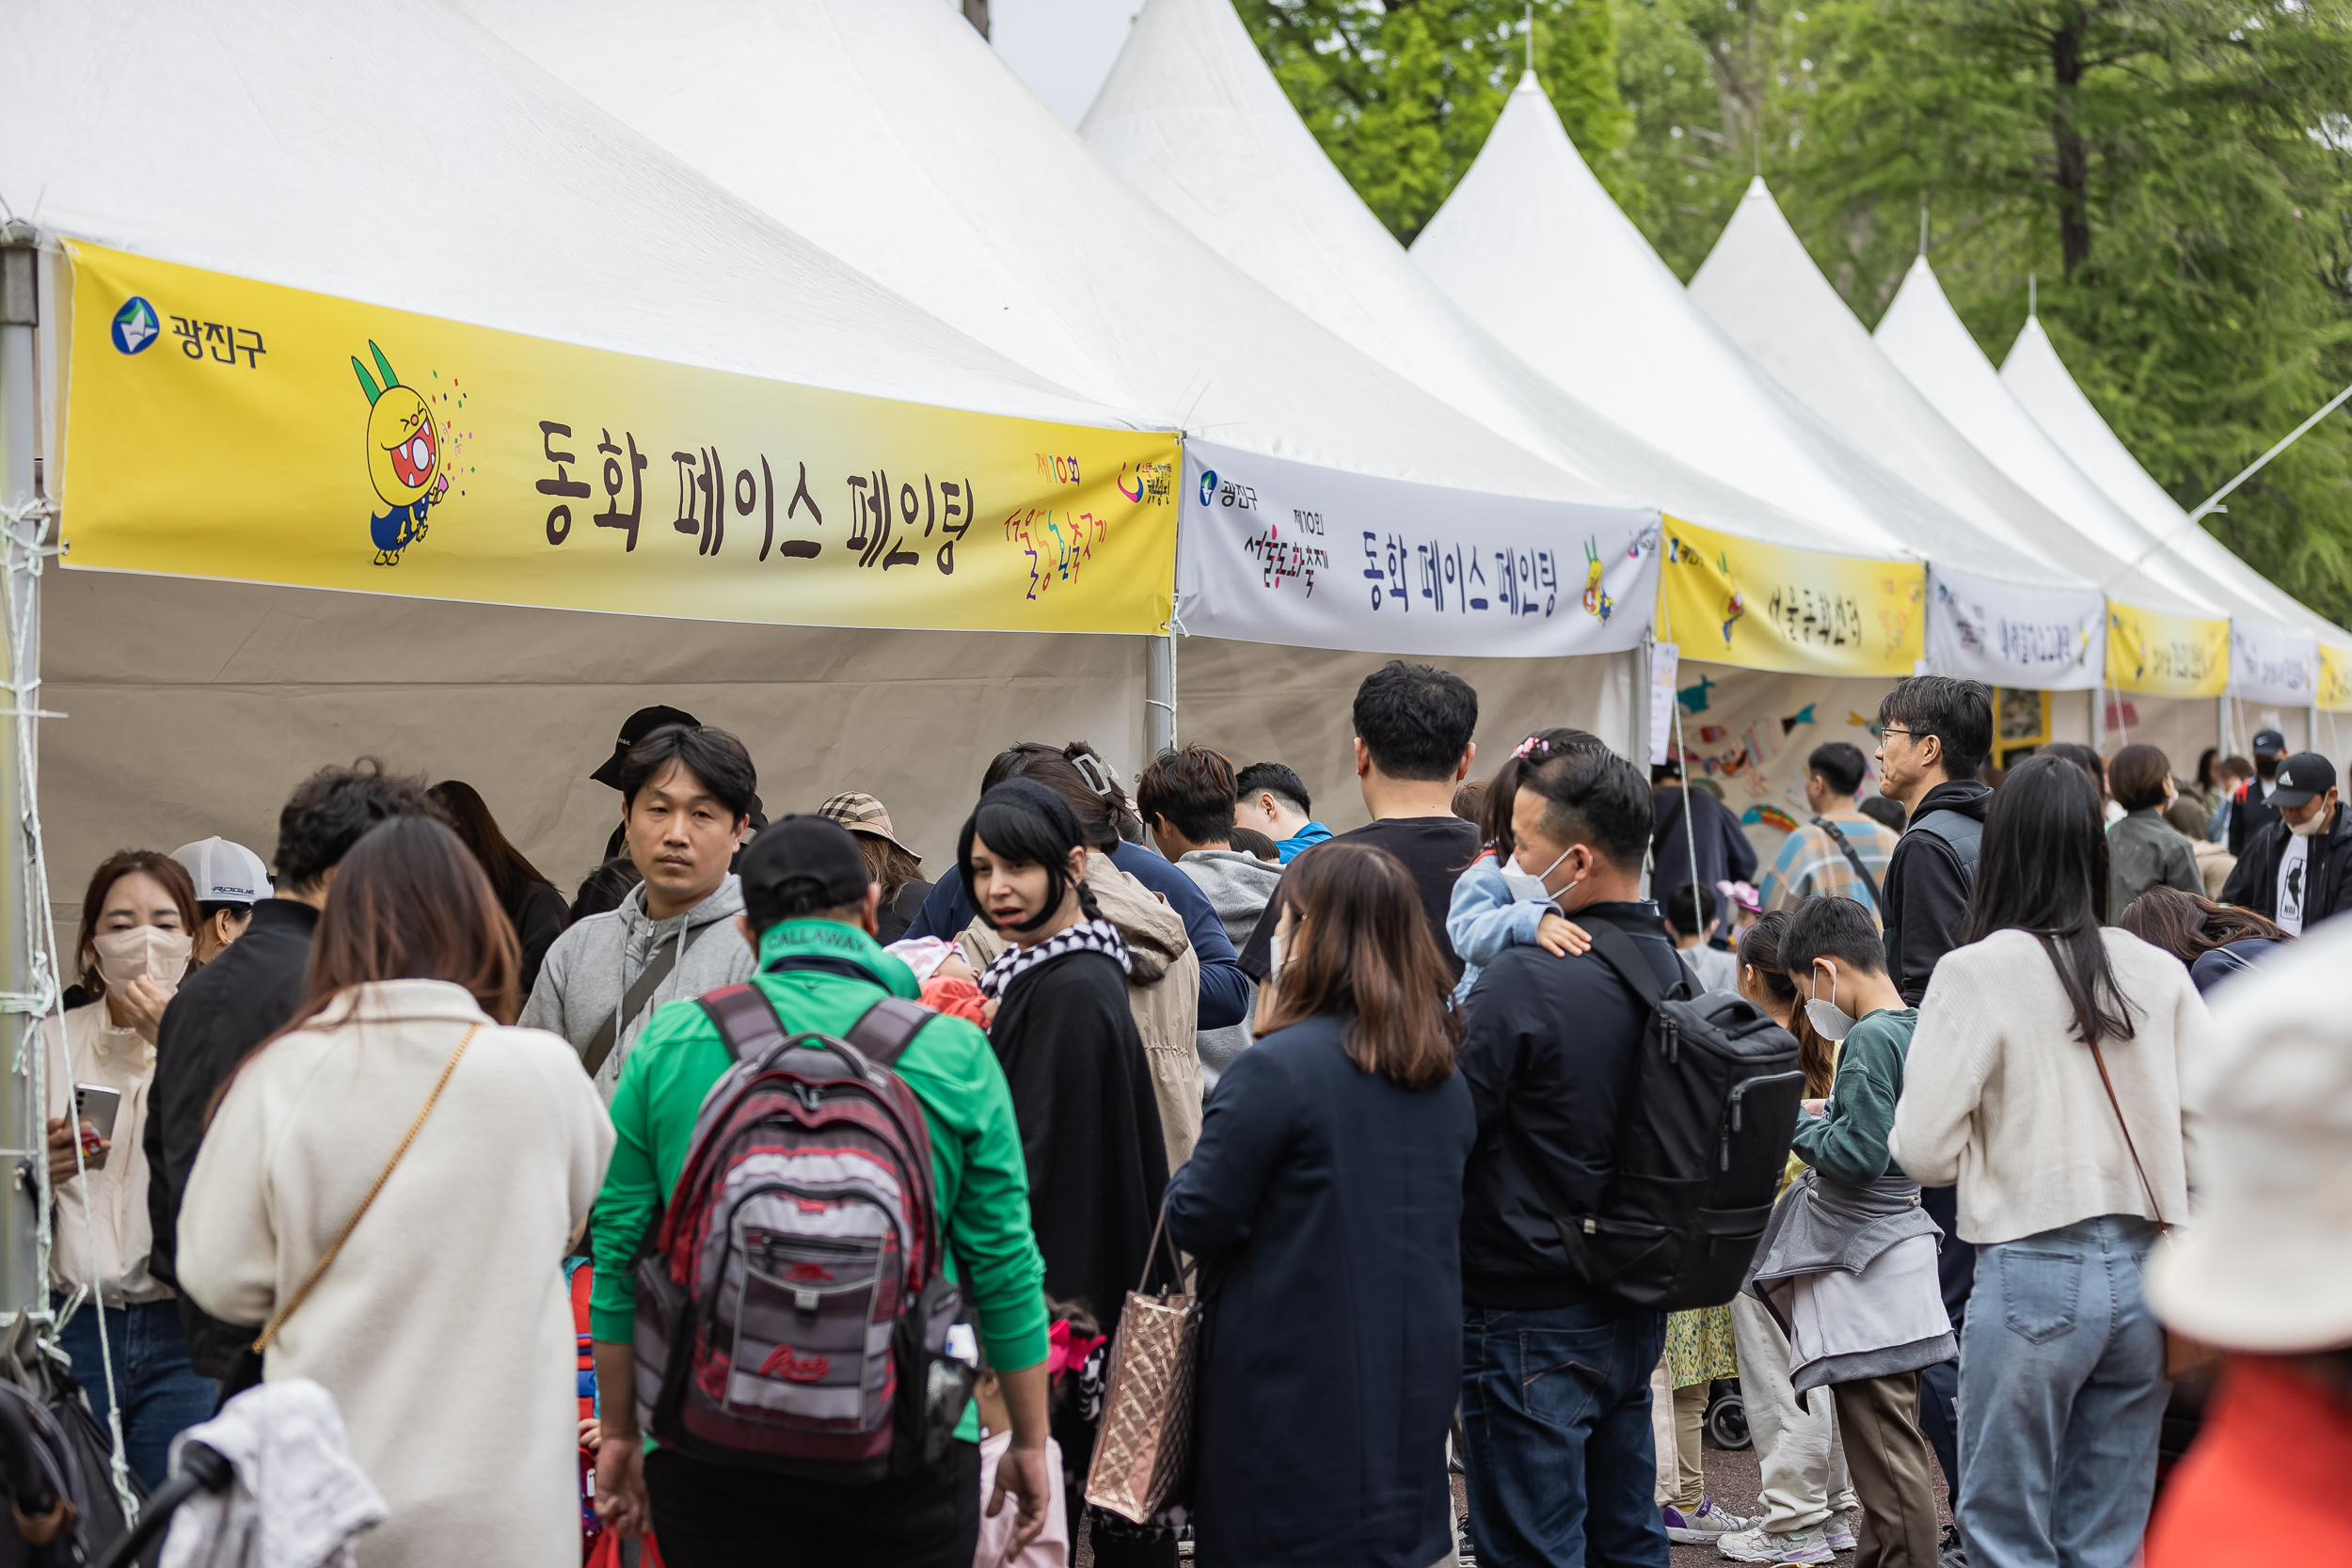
{"points": [[135, 325], [1208, 485]]}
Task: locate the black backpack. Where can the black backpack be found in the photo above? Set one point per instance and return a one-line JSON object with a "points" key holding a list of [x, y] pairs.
{"points": [[1702, 1140]]}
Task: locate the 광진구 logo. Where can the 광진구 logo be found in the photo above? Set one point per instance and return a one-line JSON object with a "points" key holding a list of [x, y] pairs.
{"points": [[135, 325], [1208, 485]]}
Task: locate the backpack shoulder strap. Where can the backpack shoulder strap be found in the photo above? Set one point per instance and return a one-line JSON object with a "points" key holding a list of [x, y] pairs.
{"points": [[1616, 949], [1853, 858], [887, 1027], [747, 1020]]}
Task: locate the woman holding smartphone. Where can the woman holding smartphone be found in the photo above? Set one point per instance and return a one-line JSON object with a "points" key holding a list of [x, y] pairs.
{"points": [[138, 920]]}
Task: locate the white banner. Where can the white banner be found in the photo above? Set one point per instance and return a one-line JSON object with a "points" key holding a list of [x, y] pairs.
{"points": [[2037, 639], [2272, 664], [1271, 550], [1665, 661]]}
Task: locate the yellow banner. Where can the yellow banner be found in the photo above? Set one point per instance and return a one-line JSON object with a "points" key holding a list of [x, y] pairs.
{"points": [[219, 427], [1766, 606], [2158, 654], [2335, 678]]}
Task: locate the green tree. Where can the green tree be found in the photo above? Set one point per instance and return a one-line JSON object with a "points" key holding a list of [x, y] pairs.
{"points": [[1401, 95]]}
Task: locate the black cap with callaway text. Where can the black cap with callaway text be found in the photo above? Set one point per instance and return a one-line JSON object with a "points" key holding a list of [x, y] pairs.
{"points": [[2268, 743], [814, 850], [2303, 778], [638, 726]]}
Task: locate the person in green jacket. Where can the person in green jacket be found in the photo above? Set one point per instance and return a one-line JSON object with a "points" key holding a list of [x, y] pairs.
{"points": [[810, 915]]}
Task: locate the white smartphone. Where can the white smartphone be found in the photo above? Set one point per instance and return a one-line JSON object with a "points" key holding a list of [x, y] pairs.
{"points": [[96, 1105]]}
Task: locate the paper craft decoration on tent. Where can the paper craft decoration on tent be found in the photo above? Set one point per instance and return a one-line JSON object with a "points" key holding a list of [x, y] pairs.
{"points": [[1193, 118], [2155, 650], [1332, 502], [1529, 236], [1763, 290], [2263, 667]]}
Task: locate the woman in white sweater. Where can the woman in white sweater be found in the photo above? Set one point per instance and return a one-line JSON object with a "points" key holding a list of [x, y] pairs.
{"points": [[2063, 1182], [442, 1327]]}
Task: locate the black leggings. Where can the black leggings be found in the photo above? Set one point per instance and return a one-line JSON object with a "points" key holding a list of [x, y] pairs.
{"points": [[722, 1517]]}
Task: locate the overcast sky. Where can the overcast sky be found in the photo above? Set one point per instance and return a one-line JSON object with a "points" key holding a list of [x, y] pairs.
{"points": [[1062, 48]]}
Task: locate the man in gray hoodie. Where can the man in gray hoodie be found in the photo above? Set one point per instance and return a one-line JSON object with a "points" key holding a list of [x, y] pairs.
{"points": [[1186, 798], [686, 802]]}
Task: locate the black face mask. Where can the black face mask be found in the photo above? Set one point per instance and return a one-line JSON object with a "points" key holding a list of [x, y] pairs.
{"points": [[2267, 768]]}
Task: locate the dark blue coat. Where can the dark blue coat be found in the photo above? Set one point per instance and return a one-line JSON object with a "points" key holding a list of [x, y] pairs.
{"points": [[1325, 1205]]}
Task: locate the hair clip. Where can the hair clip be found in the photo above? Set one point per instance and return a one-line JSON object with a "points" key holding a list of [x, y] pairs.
{"points": [[1531, 744], [1089, 769]]}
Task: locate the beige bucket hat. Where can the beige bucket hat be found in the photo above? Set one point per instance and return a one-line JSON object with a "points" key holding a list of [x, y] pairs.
{"points": [[862, 813], [2265, 1265]]}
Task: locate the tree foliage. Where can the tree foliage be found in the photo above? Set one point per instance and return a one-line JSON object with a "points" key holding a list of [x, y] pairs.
{"points": [[2176, 173]]}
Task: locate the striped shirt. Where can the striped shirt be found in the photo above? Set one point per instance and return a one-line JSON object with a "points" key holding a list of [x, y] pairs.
{"points": [[1811, 863]]}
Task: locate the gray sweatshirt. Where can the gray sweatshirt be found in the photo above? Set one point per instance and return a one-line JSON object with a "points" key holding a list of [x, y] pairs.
{"points": [[592, 965], [1237, 886]]}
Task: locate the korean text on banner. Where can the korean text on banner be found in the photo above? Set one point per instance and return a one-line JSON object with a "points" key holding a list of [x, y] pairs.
{"points": [[2273, 664], [222, 428], [1280, 551], [2158, 654], [1766, 606], [2335, 678], [2003, 635]]}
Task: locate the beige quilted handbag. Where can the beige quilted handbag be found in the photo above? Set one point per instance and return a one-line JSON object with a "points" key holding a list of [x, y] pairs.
{"points": [[1144, 1451]]}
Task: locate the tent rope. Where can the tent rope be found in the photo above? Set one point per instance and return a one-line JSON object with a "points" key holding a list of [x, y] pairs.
{"points": [[23, 537]]}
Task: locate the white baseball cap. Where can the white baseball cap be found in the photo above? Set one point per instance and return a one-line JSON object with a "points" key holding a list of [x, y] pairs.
{"points": [[2266, 1262], [224, 872]]}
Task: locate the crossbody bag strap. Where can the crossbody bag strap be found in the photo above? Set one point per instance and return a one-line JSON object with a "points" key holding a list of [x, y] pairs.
{"points": [[665, 959], [1853, 858], [277, 1320], [2108, 1083]]}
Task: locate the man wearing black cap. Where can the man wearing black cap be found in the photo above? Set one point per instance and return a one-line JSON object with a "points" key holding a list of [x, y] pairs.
{"points": [[2252, 808], [633, 729], [809, 910], [2298, 869]]}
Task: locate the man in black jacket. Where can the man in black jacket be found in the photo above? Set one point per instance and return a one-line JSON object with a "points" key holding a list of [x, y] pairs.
{"points": [[2298, 870], [1555, 1373], [242, 998], [1934, 734], [2254, 804]]}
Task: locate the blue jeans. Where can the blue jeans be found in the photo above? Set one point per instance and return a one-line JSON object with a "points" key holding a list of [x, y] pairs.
{"points": [[161, 1397], [1556, 1415], [2061, 1399]]}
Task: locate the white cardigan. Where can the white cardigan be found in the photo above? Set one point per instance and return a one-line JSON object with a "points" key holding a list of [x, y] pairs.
{"points": [[443, 1329], [2000, 1097]]}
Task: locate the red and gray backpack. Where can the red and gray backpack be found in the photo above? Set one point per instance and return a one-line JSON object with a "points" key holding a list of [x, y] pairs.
{"points": [[793, 1307]]}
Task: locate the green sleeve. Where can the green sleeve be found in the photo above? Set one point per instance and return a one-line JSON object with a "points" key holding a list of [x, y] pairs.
{"points": [[975, 1149], [1848, 1144], [625, 1207]]}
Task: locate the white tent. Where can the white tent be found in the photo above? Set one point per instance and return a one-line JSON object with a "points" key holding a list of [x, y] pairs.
{"points": [[1532, 247], [1762, 288], [399, 156], [2038, 380], [889, 132], [1193, 118], [1927, 341]]}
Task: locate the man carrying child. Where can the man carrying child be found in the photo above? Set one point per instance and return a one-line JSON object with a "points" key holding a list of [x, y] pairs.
{"points": [[1848, 1263]]}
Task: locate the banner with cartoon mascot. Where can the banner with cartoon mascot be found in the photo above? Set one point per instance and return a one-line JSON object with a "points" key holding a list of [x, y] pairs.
{"points": [[1274, 551], [219, 427], [2335, 678], [1733, 601], [2157, 655]]}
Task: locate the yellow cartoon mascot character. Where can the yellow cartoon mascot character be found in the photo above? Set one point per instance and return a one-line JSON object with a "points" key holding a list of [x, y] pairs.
{"points": [[404, 459]]}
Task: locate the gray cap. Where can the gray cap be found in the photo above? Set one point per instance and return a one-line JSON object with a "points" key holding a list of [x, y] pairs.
{"points": [[224, 872]]}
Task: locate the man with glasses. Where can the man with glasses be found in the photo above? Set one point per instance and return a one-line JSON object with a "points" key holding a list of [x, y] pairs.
{"points": [[1934, 734]]}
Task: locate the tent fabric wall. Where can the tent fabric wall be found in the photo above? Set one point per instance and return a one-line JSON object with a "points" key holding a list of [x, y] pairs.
{"points": [[193, 707]]}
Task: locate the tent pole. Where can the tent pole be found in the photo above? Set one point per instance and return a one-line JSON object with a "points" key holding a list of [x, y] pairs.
{"points": [[2221, 704], [1159, 695], [29, 986]]}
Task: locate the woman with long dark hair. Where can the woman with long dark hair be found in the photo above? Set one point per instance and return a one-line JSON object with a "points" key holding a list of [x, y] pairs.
{"points": [[532, 905], [1081, 1088], [386, 1192], [1324, 1205], [2045, 1079], [2214, 940]]}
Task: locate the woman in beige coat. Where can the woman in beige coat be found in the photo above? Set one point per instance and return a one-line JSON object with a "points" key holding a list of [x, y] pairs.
{"points": [[442, 1327]]}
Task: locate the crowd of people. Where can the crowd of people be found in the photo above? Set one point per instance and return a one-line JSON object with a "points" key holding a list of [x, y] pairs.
{"points": [[864, 1167]]}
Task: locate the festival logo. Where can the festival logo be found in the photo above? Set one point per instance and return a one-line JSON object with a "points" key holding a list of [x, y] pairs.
{"points": [[135, 327], [404, 459], [1208, 485]]}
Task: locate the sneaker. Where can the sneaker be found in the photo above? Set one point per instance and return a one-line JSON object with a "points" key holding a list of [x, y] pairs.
{"points": [[1463, 1553], [1704, 1524], [1838, 1528], [1950, 1552], [1758, 1544]]}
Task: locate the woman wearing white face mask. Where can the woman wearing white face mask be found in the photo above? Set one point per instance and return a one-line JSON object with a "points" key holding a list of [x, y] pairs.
{"points": [[135, 939]]}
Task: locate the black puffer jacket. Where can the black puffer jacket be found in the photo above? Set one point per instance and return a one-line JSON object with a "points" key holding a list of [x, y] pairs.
{"points": [[1547, 1053], [1927, 890], [2328, 879]]}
